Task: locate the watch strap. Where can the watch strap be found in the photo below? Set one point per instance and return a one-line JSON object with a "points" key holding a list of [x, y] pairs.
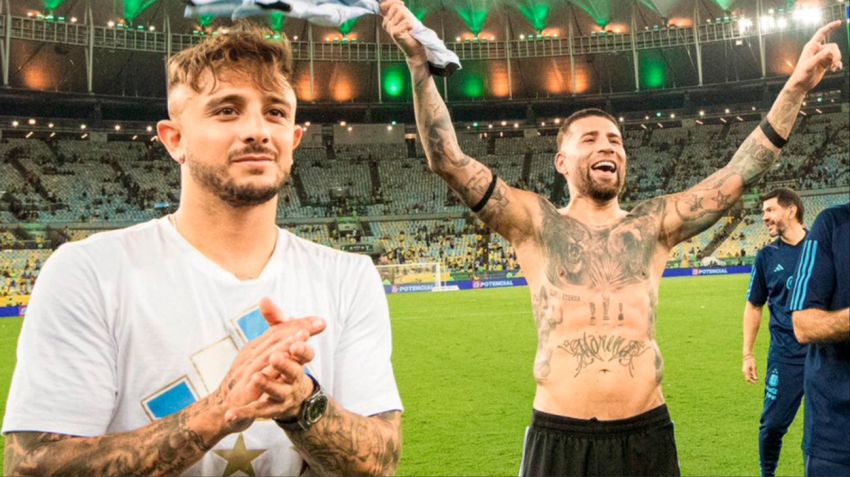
{"points": [[294, 423]]}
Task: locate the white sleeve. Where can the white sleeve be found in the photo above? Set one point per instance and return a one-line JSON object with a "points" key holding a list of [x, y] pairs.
{"points": [[65, 378], [363, 374]]}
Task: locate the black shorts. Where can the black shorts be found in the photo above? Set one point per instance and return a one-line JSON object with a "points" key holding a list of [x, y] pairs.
{"points": [[640, 445]]}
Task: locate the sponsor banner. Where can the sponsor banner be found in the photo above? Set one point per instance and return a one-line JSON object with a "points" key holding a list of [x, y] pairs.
{"points": [[12, 311], [702, 272], [461, 285], [521, 282], [503, 283]]}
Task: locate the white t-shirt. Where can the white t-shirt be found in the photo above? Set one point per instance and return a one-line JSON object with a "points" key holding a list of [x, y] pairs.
{"points": [[130, 326]]}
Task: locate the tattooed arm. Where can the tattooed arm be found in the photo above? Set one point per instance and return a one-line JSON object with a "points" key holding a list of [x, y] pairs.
{"points": [[688, 213], [166, 447], [344, 443], [173, 444], [509, 210]]}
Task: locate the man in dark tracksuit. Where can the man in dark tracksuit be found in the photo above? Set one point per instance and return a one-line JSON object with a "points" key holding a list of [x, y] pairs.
{"points": [[820, 303], [771, 282]]}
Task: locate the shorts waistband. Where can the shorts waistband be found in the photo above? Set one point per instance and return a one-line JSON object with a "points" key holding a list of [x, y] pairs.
{"points": [[647, 420]]}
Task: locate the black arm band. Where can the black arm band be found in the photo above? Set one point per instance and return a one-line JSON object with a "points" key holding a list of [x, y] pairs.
{"points": [[480, 205], [772, 135]]}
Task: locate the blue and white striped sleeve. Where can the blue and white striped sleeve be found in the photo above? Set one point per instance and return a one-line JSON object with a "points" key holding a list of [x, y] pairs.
{"points": [[814, 279]]}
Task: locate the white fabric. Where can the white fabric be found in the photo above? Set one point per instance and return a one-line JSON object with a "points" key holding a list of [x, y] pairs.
{"points": [[328, 13], [121, 315]]}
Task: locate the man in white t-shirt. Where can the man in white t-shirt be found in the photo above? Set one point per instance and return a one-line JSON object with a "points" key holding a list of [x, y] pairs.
{"points": [[152, 350]]}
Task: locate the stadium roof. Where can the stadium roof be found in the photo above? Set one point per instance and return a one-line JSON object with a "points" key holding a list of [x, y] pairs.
{"points": [[54, 67]]}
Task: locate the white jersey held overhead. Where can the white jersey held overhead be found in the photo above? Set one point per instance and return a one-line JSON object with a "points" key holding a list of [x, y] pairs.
{"points": [[151, 326], [442, 60]]}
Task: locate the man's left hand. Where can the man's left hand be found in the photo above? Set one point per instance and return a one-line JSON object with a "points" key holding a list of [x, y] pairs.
{"points": [[818, 58]]}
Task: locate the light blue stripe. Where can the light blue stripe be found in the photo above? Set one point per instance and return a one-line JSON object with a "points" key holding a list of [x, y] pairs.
{"points": [[752, 279], [811, 266], [799, 274], [806, 267]]}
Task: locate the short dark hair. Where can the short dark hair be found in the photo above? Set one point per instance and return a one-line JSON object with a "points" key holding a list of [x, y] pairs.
{"points": [[581, 114], [786, 197]]}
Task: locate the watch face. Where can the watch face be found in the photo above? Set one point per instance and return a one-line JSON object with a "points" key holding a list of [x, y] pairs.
{"points": [[316, 409]]}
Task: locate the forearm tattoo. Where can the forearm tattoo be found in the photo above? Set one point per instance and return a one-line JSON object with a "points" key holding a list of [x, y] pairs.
{"points": [[468, 178], [435, 125], [166, 447], [344, 443], [700, 207]]}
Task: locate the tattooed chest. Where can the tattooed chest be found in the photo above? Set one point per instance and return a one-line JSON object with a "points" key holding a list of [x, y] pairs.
{"points": [[605, 259]]}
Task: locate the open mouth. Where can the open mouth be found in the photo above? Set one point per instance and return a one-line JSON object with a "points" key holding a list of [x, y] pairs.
{"points": [[605, 166]]}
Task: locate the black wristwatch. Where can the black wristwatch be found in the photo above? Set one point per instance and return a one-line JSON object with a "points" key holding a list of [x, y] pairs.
{"points": [[312, 410]]}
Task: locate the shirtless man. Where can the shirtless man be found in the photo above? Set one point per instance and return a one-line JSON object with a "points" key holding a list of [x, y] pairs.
{"points": [[594, 269]]}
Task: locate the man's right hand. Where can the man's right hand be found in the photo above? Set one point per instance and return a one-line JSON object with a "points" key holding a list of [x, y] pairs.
{"points": [[749, 369], [399, 23], [241, 387]]}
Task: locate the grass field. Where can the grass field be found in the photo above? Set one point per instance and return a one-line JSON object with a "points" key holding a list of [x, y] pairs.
{"points": [[463, 365]]}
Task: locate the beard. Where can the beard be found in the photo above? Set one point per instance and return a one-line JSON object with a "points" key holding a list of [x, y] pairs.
{"points": [[600, 191], [216, 179], [778, 229]]}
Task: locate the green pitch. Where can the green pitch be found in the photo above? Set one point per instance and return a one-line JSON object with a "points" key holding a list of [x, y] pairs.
{"points": [[463, 364]]}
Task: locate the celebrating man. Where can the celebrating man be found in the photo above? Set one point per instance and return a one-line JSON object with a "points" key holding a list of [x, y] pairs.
{"points": [[593, 268]]}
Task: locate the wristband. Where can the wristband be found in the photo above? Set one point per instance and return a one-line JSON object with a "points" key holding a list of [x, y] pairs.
{"points": [[480, 205], [772, 135]]}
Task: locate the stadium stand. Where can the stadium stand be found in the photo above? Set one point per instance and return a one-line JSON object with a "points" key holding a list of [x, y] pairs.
{"points": [[68, 189]]}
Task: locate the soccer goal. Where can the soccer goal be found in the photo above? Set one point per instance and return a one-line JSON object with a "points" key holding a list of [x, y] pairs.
{"points": [[424, 274]]}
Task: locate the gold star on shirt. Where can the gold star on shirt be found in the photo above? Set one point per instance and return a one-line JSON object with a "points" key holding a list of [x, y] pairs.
{"points": [[239, 458]]}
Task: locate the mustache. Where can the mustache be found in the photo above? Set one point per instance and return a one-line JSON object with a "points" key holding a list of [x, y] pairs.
{"points": [[252, 149]]}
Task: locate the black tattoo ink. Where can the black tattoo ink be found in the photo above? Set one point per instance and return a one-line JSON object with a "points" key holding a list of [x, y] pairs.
{"points": [[603, 348], [547, 315], [609, 258]]}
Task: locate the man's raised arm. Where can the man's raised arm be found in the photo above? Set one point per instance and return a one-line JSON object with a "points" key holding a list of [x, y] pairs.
{"points": [[509, 211], [690, 212]]}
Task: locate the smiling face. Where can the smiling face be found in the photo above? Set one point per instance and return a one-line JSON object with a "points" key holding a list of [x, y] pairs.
{"points": [[235, 138], [592, 159], [776, 217]]}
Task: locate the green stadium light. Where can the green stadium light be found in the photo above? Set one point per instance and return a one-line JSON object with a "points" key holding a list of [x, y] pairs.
{"points": [[134, 8], [474, 13], [473, 86], [346, 27], [394, 80], [51, 5], [724, 4], [276, 21], [599, 10], [653, 70], [206, 20], [536, 12]]}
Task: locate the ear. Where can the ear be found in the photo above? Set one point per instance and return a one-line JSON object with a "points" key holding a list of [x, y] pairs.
{"points": [[169, 135], [297, 136], [561, 163], [792, 211]]}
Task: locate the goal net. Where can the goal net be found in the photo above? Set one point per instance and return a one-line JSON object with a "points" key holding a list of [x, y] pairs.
{"points": [[423, 274]]}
